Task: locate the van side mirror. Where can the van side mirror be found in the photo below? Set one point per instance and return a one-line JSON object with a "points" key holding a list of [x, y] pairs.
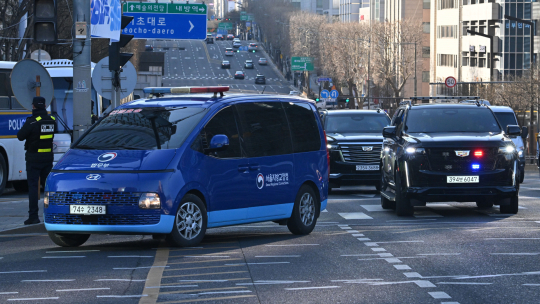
{"points": [[218, 143], [389, 132], [524, 132], [513, 130]]}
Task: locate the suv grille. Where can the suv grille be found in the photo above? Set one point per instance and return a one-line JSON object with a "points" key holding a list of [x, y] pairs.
{"points": [[361, 153], [446, 160]]}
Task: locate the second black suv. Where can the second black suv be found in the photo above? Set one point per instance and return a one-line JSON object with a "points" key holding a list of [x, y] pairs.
{"points": [[448, 152], [354, 141]]}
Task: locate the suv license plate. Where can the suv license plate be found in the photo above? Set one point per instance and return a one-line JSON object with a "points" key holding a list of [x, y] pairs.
{"points": [[84, 209], [462, 179], [367, 168]]}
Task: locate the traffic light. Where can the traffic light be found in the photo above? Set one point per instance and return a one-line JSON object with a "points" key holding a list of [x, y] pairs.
{"points": [[238, 51], [316, 99], [117, 59], [45, 21], [347, 100]]}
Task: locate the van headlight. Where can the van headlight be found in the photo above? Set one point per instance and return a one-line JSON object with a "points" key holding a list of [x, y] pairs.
{"points": [[149, 201], [507, 150], [46, 200]]}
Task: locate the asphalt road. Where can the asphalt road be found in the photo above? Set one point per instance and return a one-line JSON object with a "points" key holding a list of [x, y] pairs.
{"points": [[195, 63], [446, 253]]}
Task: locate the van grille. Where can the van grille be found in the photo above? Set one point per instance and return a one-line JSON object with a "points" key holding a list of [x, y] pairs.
{"points": [[116, 198], [361, 153], [105, 219]]}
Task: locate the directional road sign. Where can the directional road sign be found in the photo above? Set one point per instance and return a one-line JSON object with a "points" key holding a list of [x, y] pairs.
{"points": [[302, 64], [334, 93], [243, 17], [225, 25], [166, 20], [321, 79], [325, 94]]}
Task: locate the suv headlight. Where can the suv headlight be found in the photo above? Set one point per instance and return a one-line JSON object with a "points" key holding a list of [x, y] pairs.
{"points": [[507, 150], [46, 200], [332, 147], [149, 201], [412, 150]]}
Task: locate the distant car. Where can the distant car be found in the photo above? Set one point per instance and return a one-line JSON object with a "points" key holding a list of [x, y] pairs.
{"points": [[263, 61], [294, 93], [249, 64], [230, 37], [229, 52], [252, 47], [260, 79], [209, 39], [219, 37], [236, 39], [236, 44], [225, 64], [148, 48], [239, 75]]}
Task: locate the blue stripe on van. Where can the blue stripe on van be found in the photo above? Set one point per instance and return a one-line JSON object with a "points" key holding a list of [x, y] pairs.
{"points": [[323, 205], [249, 215], [165, 225]]}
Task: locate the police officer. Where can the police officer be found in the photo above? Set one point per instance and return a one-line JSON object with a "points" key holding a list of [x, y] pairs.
{"points": [[38, 131]]}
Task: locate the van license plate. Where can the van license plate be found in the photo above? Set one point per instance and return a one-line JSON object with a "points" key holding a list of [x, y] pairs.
{"points": [[367, 168], [84, 209], [462, 179]]}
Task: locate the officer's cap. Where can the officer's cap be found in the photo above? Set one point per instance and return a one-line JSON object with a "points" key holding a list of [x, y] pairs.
{"points": [[39, 102]]}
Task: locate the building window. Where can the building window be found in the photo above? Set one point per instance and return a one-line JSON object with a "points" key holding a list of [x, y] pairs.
{"points": [[425, 51], [425, 27], [447, 4], [446, 60], [427, 4], [464, 61], [473, 62], [425, 76], [482, 63]]}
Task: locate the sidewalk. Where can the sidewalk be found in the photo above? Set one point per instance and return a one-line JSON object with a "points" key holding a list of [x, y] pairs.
{"points": [[14, 210]]}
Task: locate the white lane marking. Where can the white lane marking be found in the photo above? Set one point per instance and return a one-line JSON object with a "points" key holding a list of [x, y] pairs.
{"points": [[364, 239], [268, 263], [492, 239], [375, 244], [119, 280], [402, 267], [531, 284], [359, 234], [423, 284], [271, 282], [277, 256], [34, 299], [345, 227], [292, 245], [60, 280], [173, 286], [420, 283], [358, 255], [439, 295], [517, 253], [391, 259], [23, 271], [70, 251], [220, 292], [83, 289], [436, 254], [8, 292], [145, 267], [197, 281], [418, 220], [355, 216], [378, 249], [352, 231], [449, 302], [207, 256], [122, 296], [357, 281], [64, 257], [324, 210], [130, 256], [306, 288], [463, 283], [373, 208]]}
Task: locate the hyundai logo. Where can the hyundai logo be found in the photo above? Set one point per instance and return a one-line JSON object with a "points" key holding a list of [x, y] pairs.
{"points": [[367, 149], [105, 157], [260, 181], [93, 177], [462, 153]]}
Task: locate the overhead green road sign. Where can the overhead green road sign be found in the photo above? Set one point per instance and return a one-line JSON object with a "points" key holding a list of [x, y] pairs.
{"points": [[250, 17], [242, 13], [302, 63], [225, 25], [164, 8], [243, 17]]}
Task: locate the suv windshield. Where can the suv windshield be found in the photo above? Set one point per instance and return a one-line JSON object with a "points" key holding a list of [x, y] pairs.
{"points": [[142, 128], [437, 120], [506, 118], [356, 123]]}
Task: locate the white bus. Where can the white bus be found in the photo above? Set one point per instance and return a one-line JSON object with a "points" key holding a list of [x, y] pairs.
{"points": [[13, 116]]}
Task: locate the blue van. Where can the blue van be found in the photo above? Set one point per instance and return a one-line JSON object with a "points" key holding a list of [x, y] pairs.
{"points": [[173, 166]]}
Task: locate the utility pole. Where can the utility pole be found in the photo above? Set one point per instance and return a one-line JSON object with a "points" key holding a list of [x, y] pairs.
{"points": [[82, 70]]}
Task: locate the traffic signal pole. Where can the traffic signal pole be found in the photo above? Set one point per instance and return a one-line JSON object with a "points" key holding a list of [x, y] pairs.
{"points": [[82, 71]]}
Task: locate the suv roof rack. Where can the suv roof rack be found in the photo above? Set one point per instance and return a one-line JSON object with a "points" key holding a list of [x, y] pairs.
{"points": [[160, 91]]}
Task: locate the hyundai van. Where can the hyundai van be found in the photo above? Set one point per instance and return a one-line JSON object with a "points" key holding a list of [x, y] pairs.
{"points": [[174, 166]]}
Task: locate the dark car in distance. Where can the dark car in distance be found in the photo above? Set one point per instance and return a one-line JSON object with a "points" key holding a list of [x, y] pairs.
{"points": [[219, 37], [225, 64], [249, 64], [260, 79], [449, 152], [239, 75], [230, 37], [354, 141]]}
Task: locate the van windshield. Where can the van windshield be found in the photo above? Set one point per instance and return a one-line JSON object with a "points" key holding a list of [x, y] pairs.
{"points": [[142, 129]]}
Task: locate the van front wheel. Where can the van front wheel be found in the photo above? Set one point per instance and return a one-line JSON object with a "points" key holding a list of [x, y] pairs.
{"points": [[68, 240], [190, 222], [304, 214]]}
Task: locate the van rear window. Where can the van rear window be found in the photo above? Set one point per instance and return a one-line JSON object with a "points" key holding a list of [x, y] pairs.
{"points": [[304, 128], [142, 129]]}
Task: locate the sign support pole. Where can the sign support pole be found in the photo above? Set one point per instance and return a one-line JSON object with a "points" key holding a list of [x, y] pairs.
{"points": [[82, 71]]}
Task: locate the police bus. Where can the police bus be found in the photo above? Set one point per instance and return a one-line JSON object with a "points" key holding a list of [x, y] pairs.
{"points": [[13, 116]]}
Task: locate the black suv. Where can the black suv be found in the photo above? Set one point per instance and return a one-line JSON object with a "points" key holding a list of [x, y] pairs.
{"points": [[354, 141], [448, 152]]}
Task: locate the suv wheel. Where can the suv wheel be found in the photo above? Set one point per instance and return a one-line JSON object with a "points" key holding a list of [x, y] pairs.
{"points": [[403, 203], [513, 207], [304, 214], [521, 176], [484, 204], [68, 240], [190, 222], [385, 203]]}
